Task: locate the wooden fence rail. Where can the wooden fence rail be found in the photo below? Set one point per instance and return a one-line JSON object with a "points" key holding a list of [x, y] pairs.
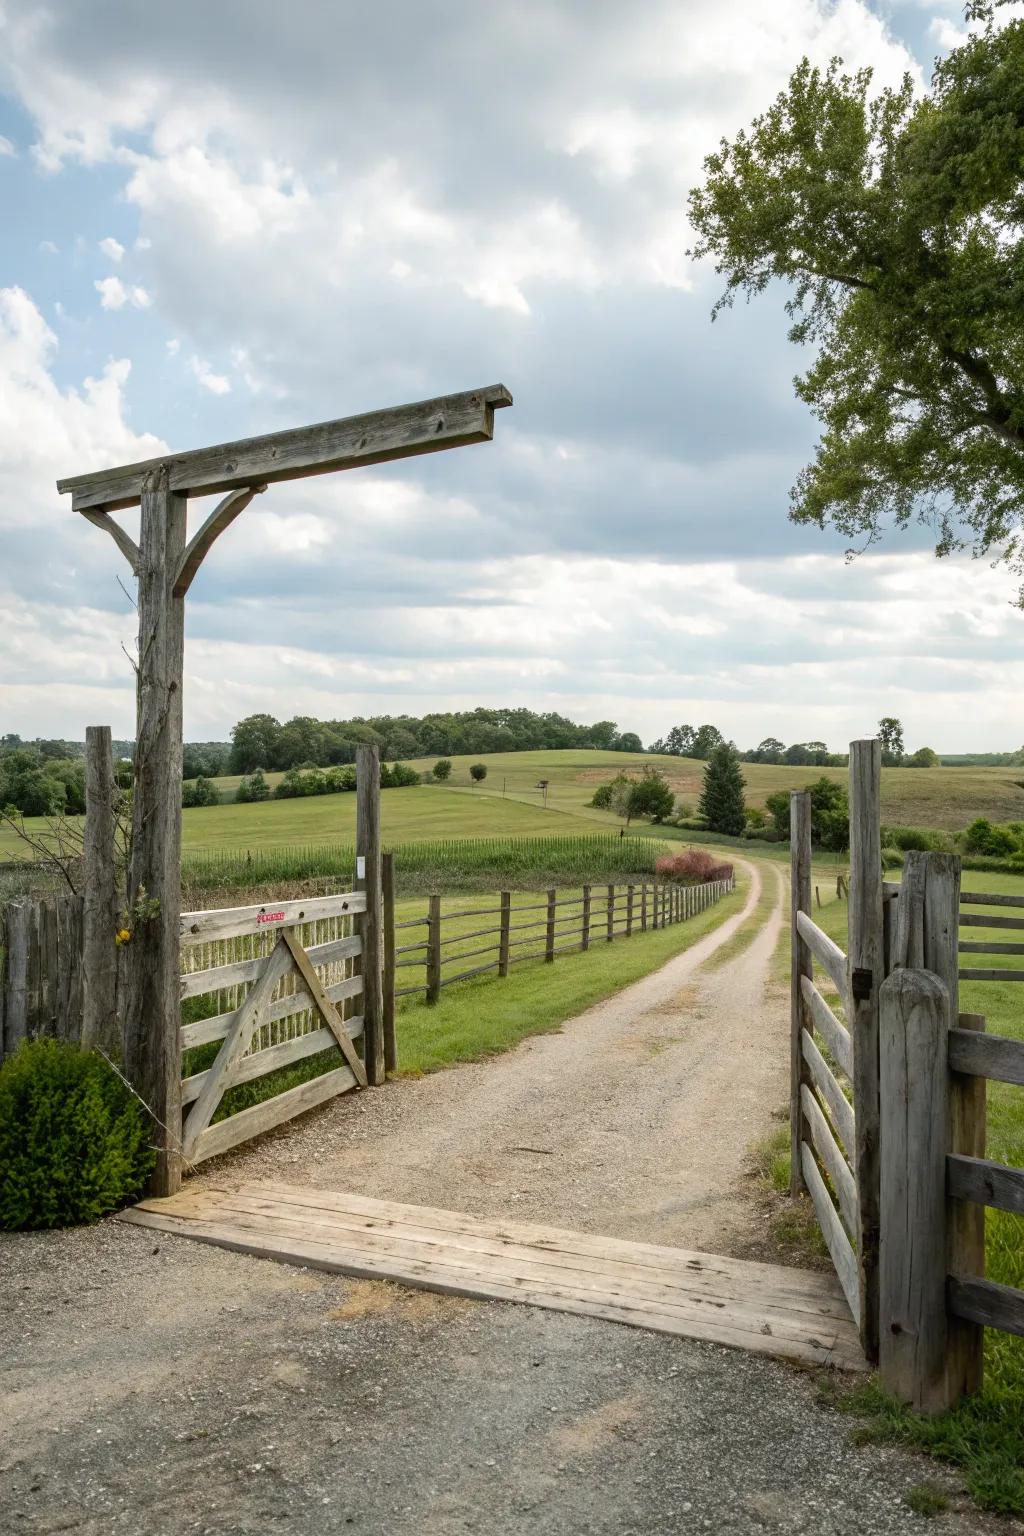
{"points": [[537, 930]]}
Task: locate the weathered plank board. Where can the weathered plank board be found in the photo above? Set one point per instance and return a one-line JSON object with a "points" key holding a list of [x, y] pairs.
{"points": [[828, 954], [248, 1123], [324, 1006], [993, 1056], [801, 972], [196, 983], [758, 1307], [835, 1035], [965, 1222], [989, 920], [865, 974], [839, 1105], [273, 1057], [978, 973], [376, 437], [230, 922], [203, 1031], [986, 1302], [989, 899], [832, 1160], [986, 1182], [838, 1244]]}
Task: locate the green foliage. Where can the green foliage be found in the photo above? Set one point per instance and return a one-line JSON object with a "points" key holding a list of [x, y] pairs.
{"points": [[995, 840], [890, 738], [896, 221], [722, 806], [915, 839], [651, 795], [830, 815], [926, 1500], [199, 792], [601, 799], [36, 784], [253, 789], [478, 772], [442, 769], [400, 776], [74, 1143], [924, 757]]}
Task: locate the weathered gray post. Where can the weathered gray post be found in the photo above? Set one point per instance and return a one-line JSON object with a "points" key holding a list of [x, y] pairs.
{"points": [[585, 919], [865, 974], [369, 880], [504, 931], [914, 1028], [800, 965], [433, 947], [387, 871], [152, 1014], [100, 914], [965, 1222]]}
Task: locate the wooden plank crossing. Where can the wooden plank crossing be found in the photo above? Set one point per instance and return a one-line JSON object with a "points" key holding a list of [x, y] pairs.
{"points": [[766, 1308]]}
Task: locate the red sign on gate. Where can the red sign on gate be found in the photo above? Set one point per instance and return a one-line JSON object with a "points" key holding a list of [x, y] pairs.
{"points": [[270, 917]]}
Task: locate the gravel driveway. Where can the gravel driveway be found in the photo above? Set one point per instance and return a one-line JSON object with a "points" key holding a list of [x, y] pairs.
{"points": [[158, 1386]]}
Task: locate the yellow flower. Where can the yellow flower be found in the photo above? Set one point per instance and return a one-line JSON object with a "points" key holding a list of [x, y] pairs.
{"points": [[123, 936]]}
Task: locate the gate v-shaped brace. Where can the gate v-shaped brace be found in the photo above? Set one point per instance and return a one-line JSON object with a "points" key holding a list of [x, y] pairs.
{"points": [[165, 564]]}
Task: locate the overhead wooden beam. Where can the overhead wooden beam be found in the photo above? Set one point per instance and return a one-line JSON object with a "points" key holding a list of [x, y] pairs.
{"points": [[451, 421], [222, 516]]}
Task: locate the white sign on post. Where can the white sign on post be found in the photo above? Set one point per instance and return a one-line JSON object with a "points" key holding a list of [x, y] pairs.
{"points": [[360, 866]]}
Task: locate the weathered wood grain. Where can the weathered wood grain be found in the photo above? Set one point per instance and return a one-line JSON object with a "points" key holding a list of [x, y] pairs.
{"points": [[229, 922], [100, 915], [914, 1015], [150, 1017], [387, 887], [801, 970], [835, 1035], [985, 1182], [839, 1105], [979, 973], [426, 426], [988, 919], [199, 546], [991, 899], [832, 1160], [828, 954], [998, 1057], [986, 1303], [839, 1246], [197, 983], [124, 541], [865, 972], [325, 1007], [965, 1222], [251, 1122]]}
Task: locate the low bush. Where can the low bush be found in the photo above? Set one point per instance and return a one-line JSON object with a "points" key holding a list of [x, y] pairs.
{"points": [[197, 792], [915, 839], [694, 867], [998, 840], [74, 1142]]}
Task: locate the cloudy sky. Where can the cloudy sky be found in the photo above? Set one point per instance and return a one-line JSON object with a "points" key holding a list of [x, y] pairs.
{"points": [[225, 219]]}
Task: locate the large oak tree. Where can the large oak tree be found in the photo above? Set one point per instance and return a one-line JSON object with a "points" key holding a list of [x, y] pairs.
{"points": [[896, 221]]}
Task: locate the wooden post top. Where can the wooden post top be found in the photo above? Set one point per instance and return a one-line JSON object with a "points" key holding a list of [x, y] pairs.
{"points": [[403, 431]]}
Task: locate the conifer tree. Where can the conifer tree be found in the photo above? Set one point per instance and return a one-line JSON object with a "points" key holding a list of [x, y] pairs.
{"points": [[721, 802]]}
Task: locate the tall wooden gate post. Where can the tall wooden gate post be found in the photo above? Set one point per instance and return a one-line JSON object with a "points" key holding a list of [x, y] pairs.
{"points": [[387, 872], [100, 896], [368, 849], [152, 1052], [800, 965], [865, 976], [914, 1028]]}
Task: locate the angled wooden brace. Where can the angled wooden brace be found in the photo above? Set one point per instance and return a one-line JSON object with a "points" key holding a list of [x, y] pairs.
{"points": [[125, 543], [222, 516]]}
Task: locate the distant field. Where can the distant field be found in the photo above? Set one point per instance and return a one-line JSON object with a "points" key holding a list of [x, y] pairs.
{"points": [[510, 803]]}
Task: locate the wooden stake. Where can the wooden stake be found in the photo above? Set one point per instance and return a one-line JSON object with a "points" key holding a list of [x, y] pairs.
{"points": [[965, 1224], [100, 914], [368, 849], [152, 1055], [585, 934], [433, 947], [865, 974], [505, 921], [800, 965], [387, 866], [549, 931], [611, 914], [914, 1023]]}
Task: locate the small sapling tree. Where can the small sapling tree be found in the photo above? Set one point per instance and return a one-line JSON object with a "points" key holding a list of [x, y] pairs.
{"points": [[478, 772], [443, 769]]}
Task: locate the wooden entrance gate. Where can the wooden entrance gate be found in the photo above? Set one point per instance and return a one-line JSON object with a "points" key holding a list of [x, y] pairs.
{"points": [[259, 967]]}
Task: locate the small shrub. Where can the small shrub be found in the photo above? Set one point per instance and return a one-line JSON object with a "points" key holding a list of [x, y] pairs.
{"points": [[443, 769], [914, 839], [601, 799], [199, 792], [253, 789], [74, 1143], [992, 839], [478, 772], [694, 867]]}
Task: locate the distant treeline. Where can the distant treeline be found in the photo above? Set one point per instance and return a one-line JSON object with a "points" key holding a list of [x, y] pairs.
{"points": [[261, 741]]}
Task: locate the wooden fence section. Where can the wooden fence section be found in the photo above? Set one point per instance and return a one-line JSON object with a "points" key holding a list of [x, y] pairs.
{"points": [[539, 930], [936, 1186], [976, 946], [280, 984], [41, 988]]}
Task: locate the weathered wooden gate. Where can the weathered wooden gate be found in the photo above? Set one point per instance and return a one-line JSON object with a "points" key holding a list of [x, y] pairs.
{"points": [[265, 962]]}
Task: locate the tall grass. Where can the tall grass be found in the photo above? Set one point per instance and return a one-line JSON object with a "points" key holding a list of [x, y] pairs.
{"points": [[448, 864]]}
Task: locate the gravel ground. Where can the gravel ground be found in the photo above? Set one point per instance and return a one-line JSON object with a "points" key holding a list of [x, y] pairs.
{"points": [[157, 1388], [153, 1386]]}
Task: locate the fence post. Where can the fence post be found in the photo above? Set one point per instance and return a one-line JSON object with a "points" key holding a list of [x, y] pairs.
{"points": [[549, 931], [965, 1222], [914, 1088], [643, 906], [629, 911], [800, 966], [100, 923], [368, 848], [865, 974], [654, 903], [585, 940], [433, 947], [387, 888], [505, 921], [611, 914]]}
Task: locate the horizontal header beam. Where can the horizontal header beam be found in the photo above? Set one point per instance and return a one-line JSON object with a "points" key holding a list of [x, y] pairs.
{"points": [[451, 421]]}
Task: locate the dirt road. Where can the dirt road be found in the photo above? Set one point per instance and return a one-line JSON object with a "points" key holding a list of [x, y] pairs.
{"points": [[635, 1120]]}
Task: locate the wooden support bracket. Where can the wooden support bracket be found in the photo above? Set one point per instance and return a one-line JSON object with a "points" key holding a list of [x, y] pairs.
{"points": [[124, 541], [222, 516]]}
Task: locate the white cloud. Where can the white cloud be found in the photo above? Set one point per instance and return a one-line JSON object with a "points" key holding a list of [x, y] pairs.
{"points": [[112, 248], [6, 147], [114, 295], [216, 383], [48, 248]]}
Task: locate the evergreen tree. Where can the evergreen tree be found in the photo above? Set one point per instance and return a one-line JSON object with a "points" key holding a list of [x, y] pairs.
{"points": [[721, 801]]}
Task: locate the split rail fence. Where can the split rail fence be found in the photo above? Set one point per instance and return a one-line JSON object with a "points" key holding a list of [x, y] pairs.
{"points": [[889, 1103], [539, 930]]}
